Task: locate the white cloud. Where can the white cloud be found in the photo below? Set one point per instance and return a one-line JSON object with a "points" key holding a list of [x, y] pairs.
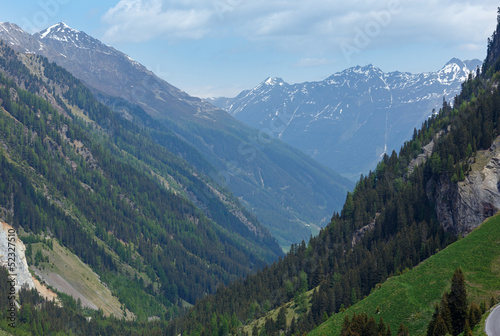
{"points": [[315, 26], [141, 20]]}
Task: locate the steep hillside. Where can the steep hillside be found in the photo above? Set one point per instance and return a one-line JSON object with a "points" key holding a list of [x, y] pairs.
{"points": [[391, 222], [360, 110], [74, 170], [64, 272], [291, 194], [410, 298]]}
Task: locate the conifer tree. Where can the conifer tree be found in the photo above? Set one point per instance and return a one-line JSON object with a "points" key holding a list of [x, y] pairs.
{"points": [[371, 327], [475, 315], [440, 328], [457, 301], [403, 330], [432, 323], [293, 326], [345, 325], [467, 329], [445, 312], [381, 327], [255, 330], [281, 319]]}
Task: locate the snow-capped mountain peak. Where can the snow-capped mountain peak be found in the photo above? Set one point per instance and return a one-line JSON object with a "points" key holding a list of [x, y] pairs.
{"points": [[57, 30], [274, 81], [61, 32], [14, 36], [362, 109], [454, 70], [8, 29], [7, 26]]}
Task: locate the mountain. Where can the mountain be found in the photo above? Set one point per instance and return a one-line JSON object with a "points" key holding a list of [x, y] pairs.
{"points": [[75, 172], [416, 292], [351, 119], [291, 194], [440, 187]]}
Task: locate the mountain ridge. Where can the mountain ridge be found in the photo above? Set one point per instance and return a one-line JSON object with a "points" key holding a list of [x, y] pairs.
{"points": [[361, 109], [270, 178], [73, 170]]}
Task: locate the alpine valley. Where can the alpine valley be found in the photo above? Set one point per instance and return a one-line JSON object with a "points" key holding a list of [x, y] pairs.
{"points": [[291, 194], [361, 110], [136, 209]]}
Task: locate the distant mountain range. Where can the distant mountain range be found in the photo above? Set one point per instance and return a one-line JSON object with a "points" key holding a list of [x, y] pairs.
{"points": [[349, 120], [291, 194]]}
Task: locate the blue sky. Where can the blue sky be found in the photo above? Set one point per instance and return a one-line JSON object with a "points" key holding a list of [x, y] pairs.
{"points": [[221, 47]]}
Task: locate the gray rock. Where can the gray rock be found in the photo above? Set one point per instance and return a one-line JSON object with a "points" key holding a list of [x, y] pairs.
{"points": [[20, 273], [463, 206]]}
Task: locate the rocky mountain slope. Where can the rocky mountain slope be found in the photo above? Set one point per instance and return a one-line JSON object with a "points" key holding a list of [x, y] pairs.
{"points": [[73, 170], [461, 207], [351, 119], [291, 194], [12, 256]]}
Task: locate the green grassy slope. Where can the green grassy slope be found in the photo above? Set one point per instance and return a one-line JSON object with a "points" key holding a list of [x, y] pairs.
{"points": [[410, 297]]}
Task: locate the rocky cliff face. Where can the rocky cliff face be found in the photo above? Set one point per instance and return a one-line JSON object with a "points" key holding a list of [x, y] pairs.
{"points": [[462, 207], [22, 274]]}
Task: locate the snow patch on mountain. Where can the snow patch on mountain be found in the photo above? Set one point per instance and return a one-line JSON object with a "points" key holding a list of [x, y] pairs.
{"points": [[274, 81], [360, 110]]}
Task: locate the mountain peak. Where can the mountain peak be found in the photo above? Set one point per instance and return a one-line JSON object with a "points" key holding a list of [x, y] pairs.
{"points": [[454, 70], [363, 69], [63, 35], [455, 60], [473, 64], [274, 81], [57, 29], [7, 26]]}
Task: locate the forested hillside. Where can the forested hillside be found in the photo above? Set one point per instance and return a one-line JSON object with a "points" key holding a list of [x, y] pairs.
{"points": [[290, 193], [388, 224], [73, 170], [417, 292]]}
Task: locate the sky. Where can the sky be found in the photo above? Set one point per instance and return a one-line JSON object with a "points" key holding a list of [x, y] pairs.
{"points": [[212, 48]]}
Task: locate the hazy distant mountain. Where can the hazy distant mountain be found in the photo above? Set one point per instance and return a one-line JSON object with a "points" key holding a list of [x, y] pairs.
{"points": [[349, 120], [290, 193]]}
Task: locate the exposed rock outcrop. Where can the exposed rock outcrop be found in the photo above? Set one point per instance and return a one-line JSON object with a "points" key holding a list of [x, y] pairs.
{"points": [[21, 271], [17, 250], [360, 233], [426, 153], [463, 206]]}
